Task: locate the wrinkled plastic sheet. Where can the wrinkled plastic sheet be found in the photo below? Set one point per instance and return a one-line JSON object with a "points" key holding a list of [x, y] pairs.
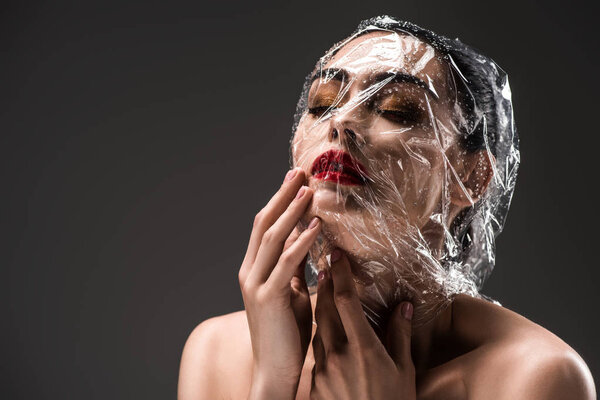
{"points": [[409, 142]]}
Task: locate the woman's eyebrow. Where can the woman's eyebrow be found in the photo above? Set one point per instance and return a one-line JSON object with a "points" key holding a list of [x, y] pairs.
{"points": [[400, 77], [337, 74], [342, 75]]}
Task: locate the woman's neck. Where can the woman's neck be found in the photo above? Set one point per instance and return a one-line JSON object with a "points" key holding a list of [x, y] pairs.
{"points": [[430, 342]]}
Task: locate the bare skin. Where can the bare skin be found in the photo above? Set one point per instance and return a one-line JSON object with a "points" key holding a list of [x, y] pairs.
{"points": [[471, 349], [500, 355]]}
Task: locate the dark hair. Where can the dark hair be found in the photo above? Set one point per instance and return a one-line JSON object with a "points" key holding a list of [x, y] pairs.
{"points": [[477, 78], [483, 94]]}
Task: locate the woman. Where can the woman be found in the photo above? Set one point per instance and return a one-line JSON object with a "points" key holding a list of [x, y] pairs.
{"points": [[405, 157]]}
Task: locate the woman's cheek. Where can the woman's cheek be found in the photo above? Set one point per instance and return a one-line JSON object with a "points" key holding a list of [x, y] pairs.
{"points": [[418, 176], [308, 143], [339, 227]]}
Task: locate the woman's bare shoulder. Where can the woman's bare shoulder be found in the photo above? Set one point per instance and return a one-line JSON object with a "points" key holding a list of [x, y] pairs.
{"points": [[519, 358], [227, 332], [216, 351], [221, 325]]}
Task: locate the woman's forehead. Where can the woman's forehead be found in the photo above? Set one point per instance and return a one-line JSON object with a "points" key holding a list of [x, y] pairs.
{"points": [[388, 51]]}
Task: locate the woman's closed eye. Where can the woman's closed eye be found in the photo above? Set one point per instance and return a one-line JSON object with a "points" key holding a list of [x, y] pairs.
{"points": [[324, 102], [402, 116], [320, 110], [406, 115], [399, 107]]}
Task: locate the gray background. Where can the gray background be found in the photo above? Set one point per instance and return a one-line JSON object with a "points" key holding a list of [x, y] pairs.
{"points": [[138, 140]]}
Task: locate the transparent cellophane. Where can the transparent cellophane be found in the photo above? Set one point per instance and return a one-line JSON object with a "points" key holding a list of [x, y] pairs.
{"points": [[393, 179]]}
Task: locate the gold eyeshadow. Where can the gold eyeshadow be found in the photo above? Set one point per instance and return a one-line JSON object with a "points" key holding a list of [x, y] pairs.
{"points": [[325, 94], [398, 102], [323, 100]]}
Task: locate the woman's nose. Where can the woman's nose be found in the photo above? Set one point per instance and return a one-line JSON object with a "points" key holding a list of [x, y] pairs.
{"points": [[350, 123], [348, 126], [347, 132]]}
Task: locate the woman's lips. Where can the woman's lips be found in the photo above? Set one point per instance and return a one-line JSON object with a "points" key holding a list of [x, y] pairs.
{"points": [[340, 167]]}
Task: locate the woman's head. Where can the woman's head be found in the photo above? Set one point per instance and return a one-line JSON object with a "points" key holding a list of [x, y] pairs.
{"points": [[398, 146]]}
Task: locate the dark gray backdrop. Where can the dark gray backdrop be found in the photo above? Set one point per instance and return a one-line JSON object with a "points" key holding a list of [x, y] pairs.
{"points": [[138, 140]]}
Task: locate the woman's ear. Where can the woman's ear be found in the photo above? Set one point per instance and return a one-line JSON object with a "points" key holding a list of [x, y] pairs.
{"points": [[477, 170]]}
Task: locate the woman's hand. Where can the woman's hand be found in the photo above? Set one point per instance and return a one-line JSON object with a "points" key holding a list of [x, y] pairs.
{"points": [[275, 294], [350, 360]]}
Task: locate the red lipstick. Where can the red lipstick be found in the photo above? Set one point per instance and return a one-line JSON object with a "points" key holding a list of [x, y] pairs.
{"points": [[340, 167]]}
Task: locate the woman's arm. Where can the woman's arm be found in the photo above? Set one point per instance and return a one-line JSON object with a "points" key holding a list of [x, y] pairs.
{"points": [[277, 306]]}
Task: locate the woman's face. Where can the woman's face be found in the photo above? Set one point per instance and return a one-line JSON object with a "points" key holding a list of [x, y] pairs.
{"points": [[379, 143]]}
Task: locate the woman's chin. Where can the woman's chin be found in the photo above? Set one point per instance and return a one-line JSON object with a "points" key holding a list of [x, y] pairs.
{"points": [[336, 199]]}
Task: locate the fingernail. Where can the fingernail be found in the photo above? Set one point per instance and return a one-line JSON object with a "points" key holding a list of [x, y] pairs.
{"points": [[336, 254], [313, 223], [301, 192], [322, 275], [291, 174], [407, 311]]}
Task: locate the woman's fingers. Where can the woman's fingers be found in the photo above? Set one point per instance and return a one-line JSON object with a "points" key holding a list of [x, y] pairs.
{"points": [[268, 215], [300, 302], [298, 281], [291, 238], [326, 314], [398, 336], [357, 328], [318, 352], [272, 242], [289, 261], [274, 208]]}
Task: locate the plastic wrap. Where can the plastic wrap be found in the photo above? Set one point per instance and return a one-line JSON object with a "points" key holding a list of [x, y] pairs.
{"points": [[409, 142]]}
